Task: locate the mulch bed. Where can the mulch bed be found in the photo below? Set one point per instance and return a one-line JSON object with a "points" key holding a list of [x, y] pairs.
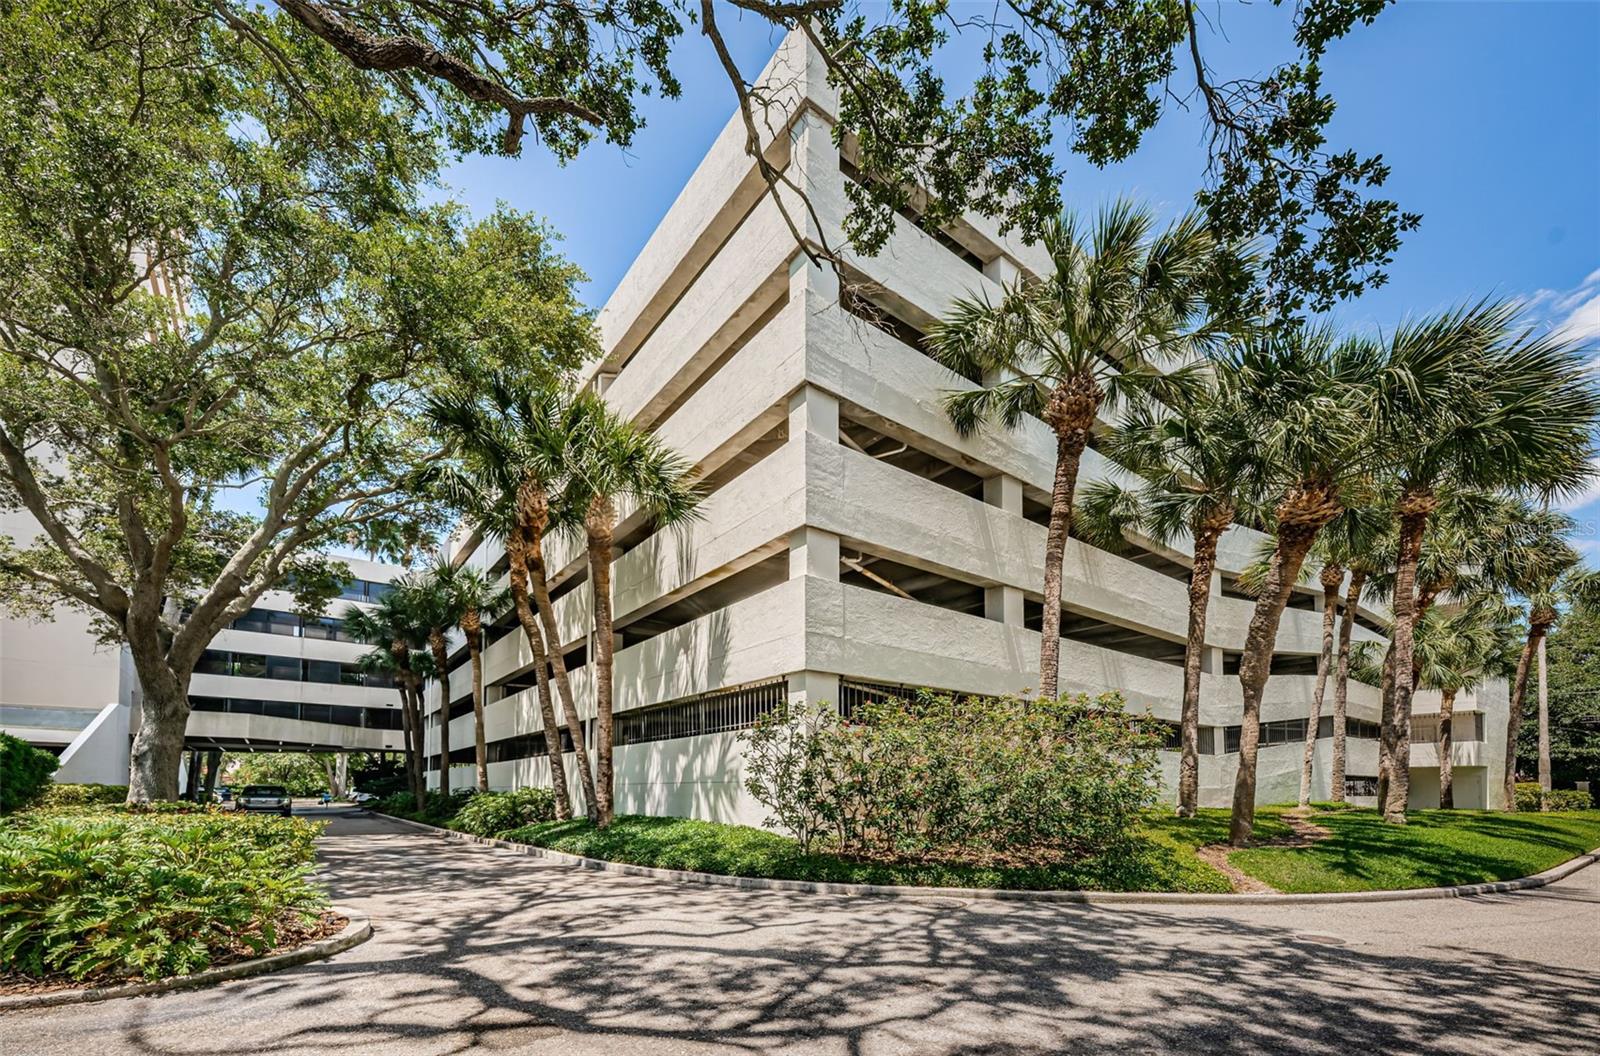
{"points": [[292, 934]]}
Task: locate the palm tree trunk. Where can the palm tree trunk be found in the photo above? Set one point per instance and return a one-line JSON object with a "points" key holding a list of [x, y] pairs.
{"points": [[1205, 563], [1447, 707], [413, 731], [441, 662], [558, 669], [1414, 510], [600, 544], [1332, 576], [1386, 722], [1519, 696], [1341, 686], [1301, 515], [1070, 412], [517, 558], [1544, 730], [473, 629]]}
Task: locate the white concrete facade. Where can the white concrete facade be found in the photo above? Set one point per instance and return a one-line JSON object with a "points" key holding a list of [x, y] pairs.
{"points": [[63, 695], [837, 487]]}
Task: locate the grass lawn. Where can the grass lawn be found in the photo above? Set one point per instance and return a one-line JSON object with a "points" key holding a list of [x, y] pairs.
{"points": [[1165, 859], [1437, 848]]}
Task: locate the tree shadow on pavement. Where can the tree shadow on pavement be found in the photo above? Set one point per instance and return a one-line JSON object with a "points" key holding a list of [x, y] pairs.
{"points": [[481, 950]]}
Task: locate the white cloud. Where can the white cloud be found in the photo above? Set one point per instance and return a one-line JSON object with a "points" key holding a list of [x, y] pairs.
{"points": [[1582, 322]]}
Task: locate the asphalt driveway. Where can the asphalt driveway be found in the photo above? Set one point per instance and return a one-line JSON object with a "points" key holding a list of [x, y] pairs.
{"points": [[481, 950]]}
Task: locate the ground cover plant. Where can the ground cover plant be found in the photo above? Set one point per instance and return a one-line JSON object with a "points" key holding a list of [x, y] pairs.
{"points": [[98, 894]]}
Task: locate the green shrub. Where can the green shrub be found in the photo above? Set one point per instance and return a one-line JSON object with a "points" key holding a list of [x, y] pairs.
{"points": [[24, 772], [1527, 794], [58, 795], [959, 778], [491, 813], [437, 809], [117, 893]]}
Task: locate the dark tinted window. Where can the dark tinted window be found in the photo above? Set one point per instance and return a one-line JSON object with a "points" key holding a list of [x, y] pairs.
{"points": [[265, 790]]}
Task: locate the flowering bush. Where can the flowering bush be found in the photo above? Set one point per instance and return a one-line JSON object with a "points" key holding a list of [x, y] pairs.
{"points": [[946, 777]]}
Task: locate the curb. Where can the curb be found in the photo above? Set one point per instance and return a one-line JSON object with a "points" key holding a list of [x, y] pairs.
{"points": [[752, 883], [357, 931]]}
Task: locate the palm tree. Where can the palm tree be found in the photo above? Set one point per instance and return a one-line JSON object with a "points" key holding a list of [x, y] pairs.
{"points": [[1468, 401], [1548, 574], [1353, 542], [1455, 652], [1310, 400], [1197, 460], [391, 628], [515, 438], [436, 607], [472, 596], [1120, 302], [616, 463]]}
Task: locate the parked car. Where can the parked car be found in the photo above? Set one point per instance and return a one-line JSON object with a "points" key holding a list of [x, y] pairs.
{"points": [[224, 793], [362, 797], [265, 799]]}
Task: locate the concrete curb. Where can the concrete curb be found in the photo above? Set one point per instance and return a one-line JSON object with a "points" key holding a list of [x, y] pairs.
{"points": [[357, 931], [751, 883]]}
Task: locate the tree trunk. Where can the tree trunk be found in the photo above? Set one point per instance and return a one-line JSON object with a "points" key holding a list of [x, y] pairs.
{"points": [[599, 529], [1386, 723], [1301, 515], [213, 765], [558, 669], [1205, 562], [1519, 696], [441, 662], [415, 744], [1447, 707], [1414, 510], [516, 555], [1341, 686], [1332, 577], [472, 627], [1070, 413], [1544, 731], [163, 718]]}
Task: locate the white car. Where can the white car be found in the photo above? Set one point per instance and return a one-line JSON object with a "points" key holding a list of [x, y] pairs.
{"points": [[361, 797]]}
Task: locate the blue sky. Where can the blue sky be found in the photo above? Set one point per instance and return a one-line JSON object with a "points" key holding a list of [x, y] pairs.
{"points": [[1488, 113]]}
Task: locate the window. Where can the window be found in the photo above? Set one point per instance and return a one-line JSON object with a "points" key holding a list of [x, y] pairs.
{"points": [[214, 662], [286, 668], [326, 671], [729, 709], [249, 665], [1360, 786], [1283, 731]]}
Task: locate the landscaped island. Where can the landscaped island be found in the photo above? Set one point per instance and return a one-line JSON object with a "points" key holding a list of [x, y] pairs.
{"points": [[96, 893], [1355, 851]]}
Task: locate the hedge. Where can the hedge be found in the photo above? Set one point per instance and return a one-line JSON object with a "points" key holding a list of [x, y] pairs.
{"points": [[1556, 799], [24, 772]]}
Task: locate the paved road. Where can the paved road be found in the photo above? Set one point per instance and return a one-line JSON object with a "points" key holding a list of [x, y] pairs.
{"points": [[479, 950]]}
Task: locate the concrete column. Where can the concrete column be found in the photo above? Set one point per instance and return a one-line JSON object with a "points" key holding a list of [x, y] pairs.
{"points": [[1003, 604], [1211, 660], [813, 687], [814, 553], [1002, 269], [813, 411]]}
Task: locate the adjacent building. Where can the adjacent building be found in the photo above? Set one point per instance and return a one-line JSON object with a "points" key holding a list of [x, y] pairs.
{"points": [[852, 544], [272, 681]]}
